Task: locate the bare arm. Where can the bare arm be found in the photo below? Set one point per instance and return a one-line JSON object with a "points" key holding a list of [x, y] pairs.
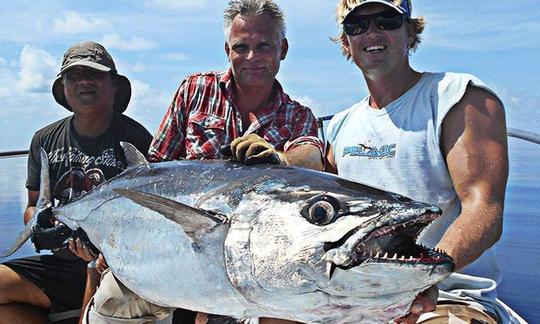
{"points": [[92, 281], [475, 145], [253, 149], [32, 201], [306, 156], [330, 161], [93, 276]]}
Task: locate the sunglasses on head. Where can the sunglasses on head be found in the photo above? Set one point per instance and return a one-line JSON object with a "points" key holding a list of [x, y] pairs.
{"points": [[386, 20]]}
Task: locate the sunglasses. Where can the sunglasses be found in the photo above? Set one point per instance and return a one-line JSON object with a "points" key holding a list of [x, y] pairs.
{"points": [[386, 20]]}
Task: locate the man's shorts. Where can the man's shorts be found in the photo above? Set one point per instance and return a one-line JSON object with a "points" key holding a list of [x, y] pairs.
{"points": [[62, 280], [115, 303]]}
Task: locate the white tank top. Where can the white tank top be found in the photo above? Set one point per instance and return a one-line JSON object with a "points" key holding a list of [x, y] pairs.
{"points": [[397, 149]]}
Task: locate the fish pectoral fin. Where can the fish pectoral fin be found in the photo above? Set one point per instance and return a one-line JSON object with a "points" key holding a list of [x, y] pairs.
{"points": [[133, 156], [191, 219]]}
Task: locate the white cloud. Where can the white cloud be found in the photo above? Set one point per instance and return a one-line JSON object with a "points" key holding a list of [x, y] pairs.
{"points": [[138, 67], [74, 23], [37, 70], [132, 44], [139, 89], [315, 106], [177, 4], [176, 56], [521, 108], [147, 105], [5, 78], [124, 66]]}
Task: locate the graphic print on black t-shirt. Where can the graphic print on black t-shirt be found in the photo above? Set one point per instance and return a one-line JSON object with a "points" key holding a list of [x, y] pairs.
{"points": [[77, 179], [82, 172]]}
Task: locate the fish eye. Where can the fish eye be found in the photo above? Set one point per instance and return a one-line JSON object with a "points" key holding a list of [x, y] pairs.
{"points": [[321, 212]]}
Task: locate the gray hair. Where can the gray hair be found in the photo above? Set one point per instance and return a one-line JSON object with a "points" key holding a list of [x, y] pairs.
{"points": [[252, 8]]}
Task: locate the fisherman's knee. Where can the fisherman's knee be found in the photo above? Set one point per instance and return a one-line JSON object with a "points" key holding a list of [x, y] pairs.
{"points": [[10, 283], [14, 288]]}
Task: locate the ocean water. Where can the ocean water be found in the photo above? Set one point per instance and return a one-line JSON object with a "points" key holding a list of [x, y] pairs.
{"points": [[518, 250]]}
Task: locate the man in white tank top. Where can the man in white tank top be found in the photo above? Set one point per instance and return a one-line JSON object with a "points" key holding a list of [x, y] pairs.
{"points": [[434, 137]]}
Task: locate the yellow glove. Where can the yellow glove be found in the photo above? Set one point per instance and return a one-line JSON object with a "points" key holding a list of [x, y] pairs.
{"points": [[252, 149]]}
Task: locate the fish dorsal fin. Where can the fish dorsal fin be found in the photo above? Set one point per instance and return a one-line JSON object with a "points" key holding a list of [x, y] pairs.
{"points": [[133, 156], [44, 202], [191, 219]]}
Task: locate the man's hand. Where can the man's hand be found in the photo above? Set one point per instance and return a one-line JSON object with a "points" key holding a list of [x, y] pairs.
{"points": [[81, 250], [101, 264], [49, 236], [252, 149], [425, 302]]}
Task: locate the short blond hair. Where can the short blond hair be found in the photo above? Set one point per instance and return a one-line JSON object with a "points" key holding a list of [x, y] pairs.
{"points": [[344, 7]]}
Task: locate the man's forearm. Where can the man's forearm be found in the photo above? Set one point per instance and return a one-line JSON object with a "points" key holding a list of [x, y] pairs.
{"points": [[306, 156], [471, 234], [92, 281], [28, 214]]}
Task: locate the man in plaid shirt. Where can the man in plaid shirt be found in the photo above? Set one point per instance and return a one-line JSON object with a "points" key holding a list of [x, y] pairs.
{"points": [[244, 107]]}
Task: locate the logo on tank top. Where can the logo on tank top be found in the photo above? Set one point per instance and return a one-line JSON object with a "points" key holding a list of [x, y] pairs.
{"points": [[387, 151]]}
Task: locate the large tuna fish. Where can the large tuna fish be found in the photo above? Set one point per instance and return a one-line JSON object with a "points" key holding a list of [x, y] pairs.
{"points": [[284, 242]]}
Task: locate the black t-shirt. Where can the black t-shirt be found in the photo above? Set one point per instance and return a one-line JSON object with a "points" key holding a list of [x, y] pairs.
{"points": [[78, 164]]}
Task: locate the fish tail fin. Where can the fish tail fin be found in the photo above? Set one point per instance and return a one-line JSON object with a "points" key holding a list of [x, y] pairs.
{"points": [[21, 239], [44, 202]]}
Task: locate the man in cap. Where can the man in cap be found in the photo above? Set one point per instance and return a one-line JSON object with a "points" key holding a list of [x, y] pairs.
{"points": [[434, 137], [84, 151]]}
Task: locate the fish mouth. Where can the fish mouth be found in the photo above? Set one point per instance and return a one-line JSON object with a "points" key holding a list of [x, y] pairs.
{"points": [[394, 243]]}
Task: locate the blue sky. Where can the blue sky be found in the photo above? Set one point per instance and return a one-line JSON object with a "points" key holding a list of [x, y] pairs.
{"points": [[156, 43]]}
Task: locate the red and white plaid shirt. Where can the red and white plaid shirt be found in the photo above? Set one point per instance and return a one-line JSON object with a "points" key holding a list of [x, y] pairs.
{"points": [[202, 118]]}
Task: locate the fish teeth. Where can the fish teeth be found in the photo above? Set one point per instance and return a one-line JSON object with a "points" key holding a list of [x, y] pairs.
{"points": [[385, 255], [330, 267], [394, 257], [378, 255]]}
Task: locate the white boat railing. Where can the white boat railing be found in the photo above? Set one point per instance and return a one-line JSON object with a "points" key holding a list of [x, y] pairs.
{"points": [[511, 132]]}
